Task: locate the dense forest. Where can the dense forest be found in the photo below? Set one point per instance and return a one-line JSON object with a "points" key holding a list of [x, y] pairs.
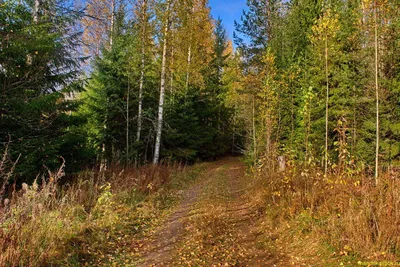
{"points": [[114, 82], [116, 92]]}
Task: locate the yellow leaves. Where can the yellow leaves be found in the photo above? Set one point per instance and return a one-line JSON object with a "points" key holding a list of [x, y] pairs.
{"points": [[268, 59], [347, 248], [276, 193], [367, 4], [326, 27], [286, 180], [150, 186]]}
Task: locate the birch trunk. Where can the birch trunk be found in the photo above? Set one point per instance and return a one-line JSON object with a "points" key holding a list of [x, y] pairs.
{"points": [[142, 66], [171, 81], [162, 90], [189, 58], [112, 22], [103, 164], [36, 11]]}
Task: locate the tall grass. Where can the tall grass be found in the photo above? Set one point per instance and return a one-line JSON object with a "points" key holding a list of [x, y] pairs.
{"points": [[85, 222], [342, 215]]}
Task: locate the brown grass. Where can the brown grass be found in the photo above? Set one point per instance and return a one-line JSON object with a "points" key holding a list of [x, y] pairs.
{"points": [[339, 218], [90, 221]]}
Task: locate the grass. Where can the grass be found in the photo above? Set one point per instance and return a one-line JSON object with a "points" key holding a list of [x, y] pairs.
{"points": [[301, 218], [95, 221], [325, 221]]}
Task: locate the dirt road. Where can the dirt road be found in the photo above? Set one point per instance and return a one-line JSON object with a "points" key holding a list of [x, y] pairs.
{"points": [[215, 224]]}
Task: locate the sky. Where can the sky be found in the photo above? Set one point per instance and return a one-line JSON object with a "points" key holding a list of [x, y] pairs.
{"points": [[229, 11]]}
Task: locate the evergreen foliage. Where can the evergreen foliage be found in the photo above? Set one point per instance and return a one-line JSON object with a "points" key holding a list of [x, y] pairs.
{"points": [[301, 82], [39, 67]]}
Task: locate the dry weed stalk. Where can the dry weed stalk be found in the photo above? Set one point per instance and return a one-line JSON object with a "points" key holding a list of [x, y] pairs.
{"points": [[350, 213], [6, 171], [43, 218]]}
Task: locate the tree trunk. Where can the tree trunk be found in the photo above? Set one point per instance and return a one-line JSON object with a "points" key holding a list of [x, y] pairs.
{"points": [[112, 22], [139, 120], [103, 158], [162, 90], [353, 146], [377, 95], [292, 119], [127, 122], [189, 58], [234, 129], [326, 104], [36, 11], [254, 131], [172, 69]]}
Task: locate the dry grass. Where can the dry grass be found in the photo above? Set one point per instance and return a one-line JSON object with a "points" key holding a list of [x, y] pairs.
{"points": [[98, 219], [339, 218], [89, 222]]}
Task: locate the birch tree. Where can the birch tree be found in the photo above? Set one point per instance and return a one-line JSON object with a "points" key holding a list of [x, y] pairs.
{"points": [[142, 13], [162, 84], [323, 40]]}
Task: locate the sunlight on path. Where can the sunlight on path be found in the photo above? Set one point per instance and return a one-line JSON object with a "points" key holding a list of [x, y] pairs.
{"points": [[216, 223]]}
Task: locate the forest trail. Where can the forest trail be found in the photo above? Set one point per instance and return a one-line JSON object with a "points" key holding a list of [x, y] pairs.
{"points": [[215, 223]]}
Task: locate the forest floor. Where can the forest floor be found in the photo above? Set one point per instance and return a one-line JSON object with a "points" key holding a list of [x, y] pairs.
{"points": [[215, 224]]}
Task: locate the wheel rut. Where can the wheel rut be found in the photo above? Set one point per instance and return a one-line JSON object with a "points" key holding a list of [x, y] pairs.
{"points": [[215, 216]]}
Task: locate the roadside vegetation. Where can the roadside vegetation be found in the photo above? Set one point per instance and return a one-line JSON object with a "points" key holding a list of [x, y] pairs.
{"points": [[306, 92], [93, 221], [327, 221]]}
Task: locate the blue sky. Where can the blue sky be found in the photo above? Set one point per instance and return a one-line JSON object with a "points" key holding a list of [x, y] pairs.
{"points": [[229, 11]]}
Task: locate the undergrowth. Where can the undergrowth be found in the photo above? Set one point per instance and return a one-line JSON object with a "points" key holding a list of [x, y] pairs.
{"points": [[344, 219], [93, 221]]}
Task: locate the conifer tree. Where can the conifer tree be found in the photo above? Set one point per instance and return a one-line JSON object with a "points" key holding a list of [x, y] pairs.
{"points": [[38, 67]]}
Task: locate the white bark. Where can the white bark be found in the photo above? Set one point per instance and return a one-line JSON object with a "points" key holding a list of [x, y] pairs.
{"points": [[282, 163], [36, 11], [189, 58], [112, 22], [140, 108], [162, 90]]}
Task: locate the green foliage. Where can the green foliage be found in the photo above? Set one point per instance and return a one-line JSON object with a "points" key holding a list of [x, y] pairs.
{"points": [[37, 72], [192, 130], [300, 34]]}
